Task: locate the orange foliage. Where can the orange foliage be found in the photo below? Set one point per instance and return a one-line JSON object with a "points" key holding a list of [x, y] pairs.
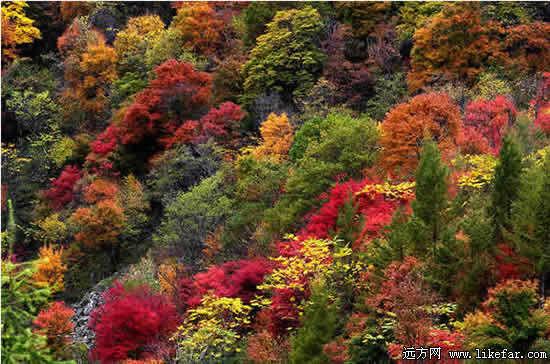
{"points": [[406, 125], [99, 190], [528, 46], [167, 275], [50, 268], [200, 27], [54, 323], [264, 348], [73, 9], [213, 245], [277, 135], [456, 44], [99, 225], [97, 71]]}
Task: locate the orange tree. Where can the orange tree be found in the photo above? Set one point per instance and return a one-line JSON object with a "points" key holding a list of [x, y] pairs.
{"points": [[456, 44], [406, 126]]}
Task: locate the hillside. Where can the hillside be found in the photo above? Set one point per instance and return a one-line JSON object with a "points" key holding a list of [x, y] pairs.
{"points": [[275, 182]]}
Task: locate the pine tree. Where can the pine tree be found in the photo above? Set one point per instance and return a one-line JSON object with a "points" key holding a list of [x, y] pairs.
{"points": [[11, 229], [531, 220], [431, 192], [320, 324], [506, 183], [21, 298]]}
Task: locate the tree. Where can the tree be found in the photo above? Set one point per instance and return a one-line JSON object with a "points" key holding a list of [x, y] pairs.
{"points": [[137, 30], [99, 225], [180, 168], [287, 58], [61, 191], [363, 17], [134, 202], [527, 46], [277, 136], [177, 94], [21, 299], [406, 125], [530, 217], [455, 45], [431, 192], [513, 319], [346, 146], [97, 67], [223, 125], [17, 28], [506, 183], [89, 68], [50, 269], [132, 43], [310, 130], [130, 322], [191, 217], [32, 109], [320, 322], [354, 80], [200, 27], [484, 124], [54, 323]]}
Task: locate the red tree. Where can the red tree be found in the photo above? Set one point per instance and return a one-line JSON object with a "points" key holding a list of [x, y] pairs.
{"points": [[542, 104], [484, 124], [177, 94], [130, 322], [54, 323], [222, 124], [61, 191]]}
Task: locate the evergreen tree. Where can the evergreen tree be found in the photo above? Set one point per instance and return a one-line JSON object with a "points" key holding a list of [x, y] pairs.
{"points": [[531, 220], [320, 325], [21, 299], [431, 193], [506, 182]]}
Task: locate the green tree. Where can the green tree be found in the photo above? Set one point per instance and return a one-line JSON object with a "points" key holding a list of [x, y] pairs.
{"points": [[309, 131], [21, 300], [346, 145], [192, 216], [431, 193], [287, 58], [506, 183], [531, 220], [320, 323]]}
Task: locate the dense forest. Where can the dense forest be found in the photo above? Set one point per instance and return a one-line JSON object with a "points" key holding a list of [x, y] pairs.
{"points": [[274, 182]]}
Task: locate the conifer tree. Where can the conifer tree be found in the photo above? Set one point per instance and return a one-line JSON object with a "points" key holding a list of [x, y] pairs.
{"points": [[320, 324], [431, 192], [21, 298], [506, 182], [531, 220]]}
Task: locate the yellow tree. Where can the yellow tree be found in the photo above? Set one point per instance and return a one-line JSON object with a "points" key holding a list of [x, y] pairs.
{"points": [[50, 268], [16, 28], [138, 30], [277, 135], [98, 71]]}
